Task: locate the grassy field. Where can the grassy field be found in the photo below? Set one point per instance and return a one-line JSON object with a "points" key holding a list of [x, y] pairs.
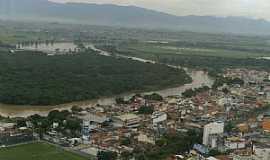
{"points": [[214, 58], [37, 151], [153, 50]]}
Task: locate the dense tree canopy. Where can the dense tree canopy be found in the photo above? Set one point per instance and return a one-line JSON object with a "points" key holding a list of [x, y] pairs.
{"points": [[154, 96], [146, 110], [171, 144], [35, 78], [106, 155]]}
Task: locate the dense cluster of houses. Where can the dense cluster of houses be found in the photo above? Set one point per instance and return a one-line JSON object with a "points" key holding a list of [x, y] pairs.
{"points": [[233, 118]]}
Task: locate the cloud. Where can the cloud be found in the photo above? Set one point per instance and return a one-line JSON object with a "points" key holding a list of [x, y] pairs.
{"points": [[248, 8]]}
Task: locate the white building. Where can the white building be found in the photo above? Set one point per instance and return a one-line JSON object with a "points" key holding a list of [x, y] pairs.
{"points": [[261, 152], [213, 140], [212, 128], [235, 143], [6, 126], [55, 125], [159, 117]]}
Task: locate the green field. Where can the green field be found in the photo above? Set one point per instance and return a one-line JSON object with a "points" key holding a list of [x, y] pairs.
{"points": [[213, 57], [37, 151], [154, 50]]}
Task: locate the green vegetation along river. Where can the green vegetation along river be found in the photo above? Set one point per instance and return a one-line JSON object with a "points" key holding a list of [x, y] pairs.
{"points": [[199, 78]]}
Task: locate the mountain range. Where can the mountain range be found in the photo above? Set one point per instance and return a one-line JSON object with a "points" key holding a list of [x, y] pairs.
{"points": [[126, 16]]}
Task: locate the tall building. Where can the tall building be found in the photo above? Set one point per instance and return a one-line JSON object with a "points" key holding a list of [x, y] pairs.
{"points": [[211, 129]]}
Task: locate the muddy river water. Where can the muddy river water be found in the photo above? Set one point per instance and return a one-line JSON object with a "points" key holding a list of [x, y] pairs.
{"points": [[200, 78]]}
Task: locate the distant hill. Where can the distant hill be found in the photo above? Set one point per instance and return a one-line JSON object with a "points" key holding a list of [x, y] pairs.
{"points": [[126, 16]]}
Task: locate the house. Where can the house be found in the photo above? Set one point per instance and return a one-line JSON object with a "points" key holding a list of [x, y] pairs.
{"points": [[95, 118], [6, 126], [234, 143], [142, 137], [158, 118], [127, 120]]}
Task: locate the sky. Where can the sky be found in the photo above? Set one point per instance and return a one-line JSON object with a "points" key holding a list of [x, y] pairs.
{"points": [[247, 8]]}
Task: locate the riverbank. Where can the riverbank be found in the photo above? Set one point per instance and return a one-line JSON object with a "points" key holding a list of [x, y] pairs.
{"points": [[199, 78]]}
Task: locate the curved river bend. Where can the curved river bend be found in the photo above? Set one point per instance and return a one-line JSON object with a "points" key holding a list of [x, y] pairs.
{"points": [[199, 78]]}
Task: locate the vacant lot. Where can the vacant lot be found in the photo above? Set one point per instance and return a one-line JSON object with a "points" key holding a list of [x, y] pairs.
{"points": [[37, 151]]}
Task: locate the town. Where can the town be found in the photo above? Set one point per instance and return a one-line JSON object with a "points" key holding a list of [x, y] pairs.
{"points": [[227, 121]]}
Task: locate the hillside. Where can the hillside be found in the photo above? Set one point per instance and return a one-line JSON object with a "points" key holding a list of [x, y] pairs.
{"points": [[126, 16]]}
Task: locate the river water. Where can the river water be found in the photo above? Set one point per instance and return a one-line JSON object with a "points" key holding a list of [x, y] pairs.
{"points": [[200, 78]]}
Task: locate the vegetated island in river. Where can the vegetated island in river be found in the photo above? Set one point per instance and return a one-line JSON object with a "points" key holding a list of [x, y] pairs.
{"points": [[33, 78]]}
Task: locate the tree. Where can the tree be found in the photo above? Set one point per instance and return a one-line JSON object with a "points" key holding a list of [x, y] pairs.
{"points": [[188, 93], [214, 152], [154, 96], [35, 119], [194, 136], [73, 126], [120, 100], [21, 123], [171, 143], [146, 110], [94, 72], [126, 155], [225, 90], [161, 142], [228, 127], [76, 109], [125, 141], [58, 116], [106, 155]]}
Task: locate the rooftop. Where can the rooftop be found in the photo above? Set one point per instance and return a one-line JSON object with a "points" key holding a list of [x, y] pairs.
{"points": [[126, 117]]}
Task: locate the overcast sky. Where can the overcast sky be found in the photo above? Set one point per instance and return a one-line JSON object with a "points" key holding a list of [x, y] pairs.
{"points": [[249, 8]]}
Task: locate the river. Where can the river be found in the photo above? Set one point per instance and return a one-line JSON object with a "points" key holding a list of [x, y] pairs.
{"points": [[200, 78]]}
